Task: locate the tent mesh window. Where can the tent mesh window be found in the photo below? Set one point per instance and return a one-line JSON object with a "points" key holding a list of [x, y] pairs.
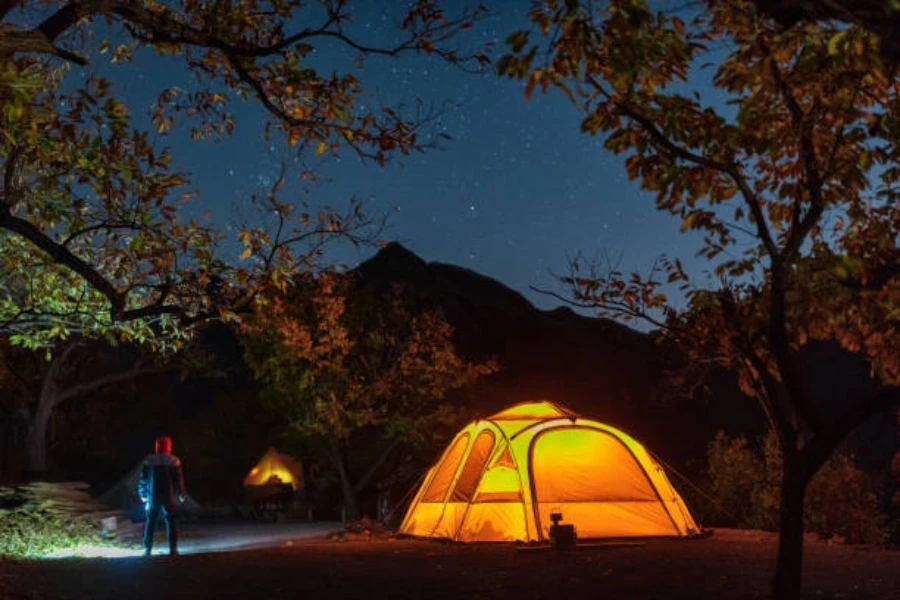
{"points": [[471, 473], [562, 457], [437, 491]]}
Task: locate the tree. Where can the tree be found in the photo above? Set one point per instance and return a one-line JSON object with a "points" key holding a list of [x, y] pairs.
{"points": [[792, 183], [882, 17], [342, 366], [93, 240]]}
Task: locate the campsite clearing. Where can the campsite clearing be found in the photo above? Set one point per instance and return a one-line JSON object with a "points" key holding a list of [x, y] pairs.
{"points": [[730, 565]]}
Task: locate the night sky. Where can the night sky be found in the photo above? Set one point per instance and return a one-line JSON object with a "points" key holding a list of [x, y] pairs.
{"points": [[516, 189]]}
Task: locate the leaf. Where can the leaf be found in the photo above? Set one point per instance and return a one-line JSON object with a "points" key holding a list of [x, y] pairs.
{"points": [[517, 40], [836, 40]]}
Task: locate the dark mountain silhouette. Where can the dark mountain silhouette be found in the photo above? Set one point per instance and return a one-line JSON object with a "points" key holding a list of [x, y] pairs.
{"points": [[595, 366], [604, 369]]}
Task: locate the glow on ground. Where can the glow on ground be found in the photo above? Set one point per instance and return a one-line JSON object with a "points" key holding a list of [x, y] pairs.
{"points": [[94, 551], [211, 538]]}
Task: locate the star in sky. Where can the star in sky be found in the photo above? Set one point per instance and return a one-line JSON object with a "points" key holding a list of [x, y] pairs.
{"points": [[516, 190]]}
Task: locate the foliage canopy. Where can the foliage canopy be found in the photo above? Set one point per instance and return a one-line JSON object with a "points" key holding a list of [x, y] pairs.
{"points": [[93, 235], [336, 360]]}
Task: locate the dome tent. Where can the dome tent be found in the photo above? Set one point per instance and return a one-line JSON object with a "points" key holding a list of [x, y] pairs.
{"points": [[501, 478]]}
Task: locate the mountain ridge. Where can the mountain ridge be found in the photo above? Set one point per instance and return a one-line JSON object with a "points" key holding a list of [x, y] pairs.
{"points": [[596, 366]]}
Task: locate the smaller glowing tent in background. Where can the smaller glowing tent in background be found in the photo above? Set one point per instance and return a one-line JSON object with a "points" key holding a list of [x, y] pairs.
{"points": [[502, 477], [275, 468]]}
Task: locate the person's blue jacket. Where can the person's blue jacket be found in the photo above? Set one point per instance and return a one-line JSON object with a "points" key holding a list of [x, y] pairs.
{"points": [[162, 480]]}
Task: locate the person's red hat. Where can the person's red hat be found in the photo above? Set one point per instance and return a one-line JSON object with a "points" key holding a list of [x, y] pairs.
{"points": [[163, 445]]}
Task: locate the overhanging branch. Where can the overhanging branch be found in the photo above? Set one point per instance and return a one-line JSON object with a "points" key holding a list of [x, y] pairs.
{"points": [[63, 256], [728, 168]]}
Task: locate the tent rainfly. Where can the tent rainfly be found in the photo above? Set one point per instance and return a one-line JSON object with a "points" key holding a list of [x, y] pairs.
{"points": [[501, 478], [276, 468]]}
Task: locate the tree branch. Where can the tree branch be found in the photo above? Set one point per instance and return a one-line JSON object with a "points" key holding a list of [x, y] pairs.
{"points": [[779, 419], [46, 399], [40, 39], [83, 388], [163, 27], [63, 256], [10, 173], [813, 179], [822, 445], [364, 480], [730, 169], [778, 337], [99, 227], [59, 22]]}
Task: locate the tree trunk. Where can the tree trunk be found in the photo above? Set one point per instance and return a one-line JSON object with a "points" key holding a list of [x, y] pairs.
{"points": [[36, 460], [789, 566], [36, 443], [36, 465], [351, 506]]}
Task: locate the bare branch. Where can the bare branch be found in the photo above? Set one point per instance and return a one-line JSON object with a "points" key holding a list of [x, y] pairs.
{"points": [[778, 337], [99, 227], [820, 447], [56, 24], [812, 177], [731, 169], [40, 39], [363, 481], [91, 386], [779, 418], [620, 307]]}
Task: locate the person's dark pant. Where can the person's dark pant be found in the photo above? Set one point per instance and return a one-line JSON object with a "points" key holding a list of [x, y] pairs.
{"points": [[168, 514]]}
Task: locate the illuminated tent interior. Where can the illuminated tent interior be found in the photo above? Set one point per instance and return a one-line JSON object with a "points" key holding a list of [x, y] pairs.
{"points": [[501, 478], [275, 468]]}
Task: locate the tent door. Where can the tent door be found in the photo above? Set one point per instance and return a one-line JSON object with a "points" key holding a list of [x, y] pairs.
{"points": [[597, 484]]}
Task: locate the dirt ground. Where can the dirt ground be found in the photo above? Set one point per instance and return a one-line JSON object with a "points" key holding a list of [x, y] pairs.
{"points": [[729, 565]]}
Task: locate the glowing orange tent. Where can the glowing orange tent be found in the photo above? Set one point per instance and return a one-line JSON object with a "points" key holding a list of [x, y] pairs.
{"points": [[501, 478], [275, 468]]}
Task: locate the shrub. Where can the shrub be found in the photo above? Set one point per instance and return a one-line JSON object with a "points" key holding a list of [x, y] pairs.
{"points": [[44, 518], [745, 482], [735, 472], [840, 503]]}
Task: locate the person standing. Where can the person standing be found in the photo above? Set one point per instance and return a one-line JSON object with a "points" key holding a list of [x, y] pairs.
{"points": [[161, 488]]}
